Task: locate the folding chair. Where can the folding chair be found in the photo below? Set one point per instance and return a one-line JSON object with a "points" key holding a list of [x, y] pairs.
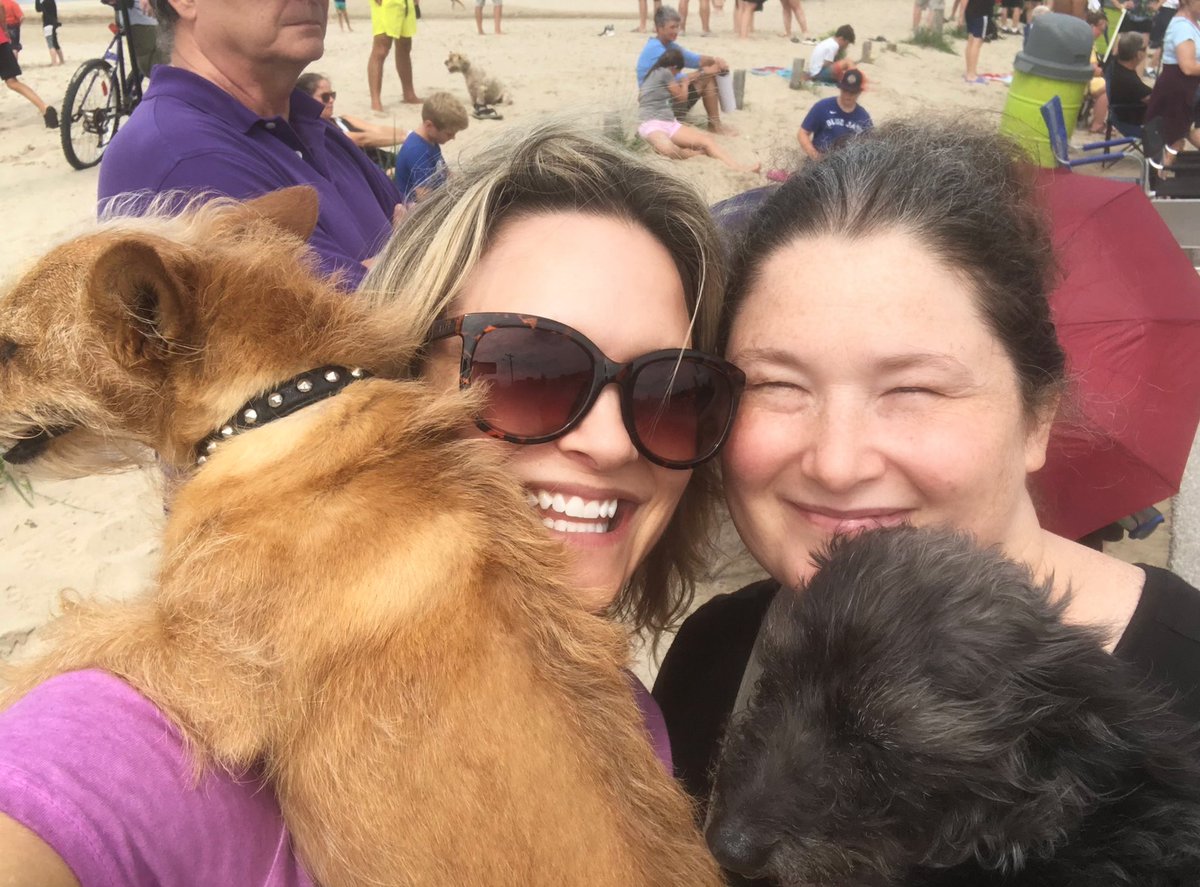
{"points": [[1052, 113], [1112, 123]]}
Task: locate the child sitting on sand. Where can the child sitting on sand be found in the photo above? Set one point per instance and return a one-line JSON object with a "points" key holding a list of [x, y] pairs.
{"points": [[657, 123], [419, 165]]}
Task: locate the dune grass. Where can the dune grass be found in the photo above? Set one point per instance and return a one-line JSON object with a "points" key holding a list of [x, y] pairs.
{"points": [[934, 40], [19, 485]]}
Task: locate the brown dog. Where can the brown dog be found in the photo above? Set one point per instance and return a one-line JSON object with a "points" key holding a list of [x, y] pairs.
{"points": [[353, 598]]}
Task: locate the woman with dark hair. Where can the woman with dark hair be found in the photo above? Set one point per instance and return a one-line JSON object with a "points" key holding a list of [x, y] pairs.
{"points": [[889, 308], [1174, 95], [663, 85]]}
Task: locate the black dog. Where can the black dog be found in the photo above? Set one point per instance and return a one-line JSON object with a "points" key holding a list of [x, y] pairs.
{"points": [[925, 717]]}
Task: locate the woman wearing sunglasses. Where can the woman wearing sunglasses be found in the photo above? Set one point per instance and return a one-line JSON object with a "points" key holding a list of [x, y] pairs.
{"points": [[581, 286], [922, 393], [379, 142]]}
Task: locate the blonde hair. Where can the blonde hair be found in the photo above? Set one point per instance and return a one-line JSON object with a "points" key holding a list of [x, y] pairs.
{"points": [[554, 167], [445, 112]]}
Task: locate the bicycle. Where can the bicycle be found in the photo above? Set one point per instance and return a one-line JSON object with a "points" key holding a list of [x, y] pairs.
{"points": [[100, 93]]}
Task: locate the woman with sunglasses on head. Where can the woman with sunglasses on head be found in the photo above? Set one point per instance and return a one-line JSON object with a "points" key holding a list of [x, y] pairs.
{"points": [[379, 142], [922, 394], [575, 282]]}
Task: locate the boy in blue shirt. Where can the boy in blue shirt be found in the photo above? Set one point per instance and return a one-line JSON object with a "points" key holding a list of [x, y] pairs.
{"points": [[833, 119], [419, 165]]}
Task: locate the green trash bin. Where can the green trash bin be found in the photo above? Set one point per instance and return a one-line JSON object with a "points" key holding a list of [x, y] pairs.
{"points": [[1056, 61]]}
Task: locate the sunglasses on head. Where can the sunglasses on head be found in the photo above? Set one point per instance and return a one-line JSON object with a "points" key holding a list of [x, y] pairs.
{"points": [[543, 377], [327, 97]]}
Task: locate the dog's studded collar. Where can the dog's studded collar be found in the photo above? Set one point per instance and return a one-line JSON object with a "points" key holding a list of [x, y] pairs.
{"points": [[282, 400]]}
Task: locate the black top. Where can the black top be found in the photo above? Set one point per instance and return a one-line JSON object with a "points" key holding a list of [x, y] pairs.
{"points": [[701, 673], [1127, 94]]}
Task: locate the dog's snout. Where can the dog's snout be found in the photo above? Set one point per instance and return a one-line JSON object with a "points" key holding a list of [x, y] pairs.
{"points": [[737, 846]]}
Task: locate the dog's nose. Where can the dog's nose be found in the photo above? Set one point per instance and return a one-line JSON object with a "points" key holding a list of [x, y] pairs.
{"points": [[737, 847]]}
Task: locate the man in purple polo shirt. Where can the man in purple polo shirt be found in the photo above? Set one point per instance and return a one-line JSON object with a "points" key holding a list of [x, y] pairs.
{"points": [[224, 119]]}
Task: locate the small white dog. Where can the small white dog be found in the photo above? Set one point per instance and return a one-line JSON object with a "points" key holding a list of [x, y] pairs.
{"points": [[485, 91]]}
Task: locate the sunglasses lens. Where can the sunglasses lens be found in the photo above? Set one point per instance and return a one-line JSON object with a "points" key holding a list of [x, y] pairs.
{"points": [[538, 380], [681, 409]]}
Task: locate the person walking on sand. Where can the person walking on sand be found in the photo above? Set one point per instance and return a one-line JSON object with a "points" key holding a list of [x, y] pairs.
{"points": [[703, 86], [497, 14], [643, 13], [793, 10], [974, 16], [343, 16], [13, 16], [743, 17], [705, 15], [50, 26], [10, 73], [392, 20]]}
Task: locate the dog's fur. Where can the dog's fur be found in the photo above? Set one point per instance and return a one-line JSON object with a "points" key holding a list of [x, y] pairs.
{"points": [[354, 599], [925, 717], [484, 90]]}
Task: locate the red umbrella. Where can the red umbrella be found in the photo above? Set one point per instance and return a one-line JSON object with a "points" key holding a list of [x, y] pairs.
{"points": [[1128, 314]]}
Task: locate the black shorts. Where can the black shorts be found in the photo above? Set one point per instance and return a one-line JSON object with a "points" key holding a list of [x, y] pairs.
{"points": [[14, 35], [1137, 25], [8, 63], [1158, 26]]}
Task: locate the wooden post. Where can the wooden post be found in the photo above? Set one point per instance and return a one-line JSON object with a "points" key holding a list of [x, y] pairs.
{"points": [[739, 87], [797, 81], [939, 21], [866, 52]]}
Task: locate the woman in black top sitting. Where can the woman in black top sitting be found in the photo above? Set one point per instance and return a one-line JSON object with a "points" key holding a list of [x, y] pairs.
{"points": [[1128, 93], [889, 308]]}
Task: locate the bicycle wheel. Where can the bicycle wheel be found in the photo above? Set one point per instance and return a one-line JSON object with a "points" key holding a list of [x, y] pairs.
{"points": [[89, 114]]}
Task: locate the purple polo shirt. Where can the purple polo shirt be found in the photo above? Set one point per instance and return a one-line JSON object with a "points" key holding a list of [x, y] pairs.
{"points": [[190, 135]]}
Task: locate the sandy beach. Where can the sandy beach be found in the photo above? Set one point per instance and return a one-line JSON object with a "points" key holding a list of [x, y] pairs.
{"points": [[99, 535]]}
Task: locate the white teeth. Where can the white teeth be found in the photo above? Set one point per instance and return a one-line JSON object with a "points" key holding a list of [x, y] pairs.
{"points": [[576, 507], [599, 510], [566, 526]]}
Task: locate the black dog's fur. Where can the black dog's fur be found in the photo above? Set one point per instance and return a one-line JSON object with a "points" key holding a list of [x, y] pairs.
{"points": [[925, 717]]}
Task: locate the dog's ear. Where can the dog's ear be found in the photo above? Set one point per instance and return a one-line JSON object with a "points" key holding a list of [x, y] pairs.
{"points": [[138, 301], [294, 209]]}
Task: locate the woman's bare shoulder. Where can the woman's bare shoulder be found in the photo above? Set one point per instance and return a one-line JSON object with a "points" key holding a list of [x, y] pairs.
{"points": [[1104, 590]]}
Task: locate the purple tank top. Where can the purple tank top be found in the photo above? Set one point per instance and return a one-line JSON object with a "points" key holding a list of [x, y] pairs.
{"points": [[98, 772]]}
